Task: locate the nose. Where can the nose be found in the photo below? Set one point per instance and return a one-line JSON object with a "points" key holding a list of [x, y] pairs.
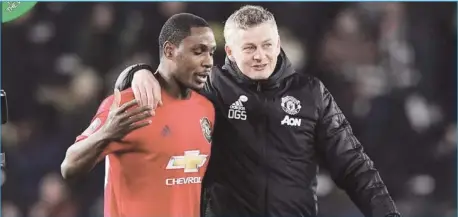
{"points": [[208, 61], [258, 55]]}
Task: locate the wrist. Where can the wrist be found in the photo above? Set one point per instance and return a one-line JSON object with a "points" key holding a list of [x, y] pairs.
{"points": [[140, 72], [124, 80], [140, 69], [102, 138]]}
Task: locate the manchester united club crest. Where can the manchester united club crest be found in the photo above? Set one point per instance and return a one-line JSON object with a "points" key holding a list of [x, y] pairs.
{"points": [[290, 105], [205, 125]]}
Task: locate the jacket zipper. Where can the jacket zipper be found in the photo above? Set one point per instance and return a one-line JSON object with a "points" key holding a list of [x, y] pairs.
{"points": [[264, 151], [266, 163]]}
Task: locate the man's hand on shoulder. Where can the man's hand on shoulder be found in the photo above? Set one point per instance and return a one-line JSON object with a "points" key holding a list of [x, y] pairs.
{"points": [[146, 88], [121, 121]]}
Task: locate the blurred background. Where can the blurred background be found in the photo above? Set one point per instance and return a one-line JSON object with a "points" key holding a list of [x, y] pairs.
{"points": [[390, 66]]}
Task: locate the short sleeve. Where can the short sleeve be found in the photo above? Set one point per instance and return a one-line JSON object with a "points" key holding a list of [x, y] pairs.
{"points": [[99, 120]]}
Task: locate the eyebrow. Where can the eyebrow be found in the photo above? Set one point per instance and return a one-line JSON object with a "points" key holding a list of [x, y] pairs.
{"points": [[205, 47], [250, 43]]}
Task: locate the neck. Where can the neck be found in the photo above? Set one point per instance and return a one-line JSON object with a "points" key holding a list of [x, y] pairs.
{"points": [[170, 84]]}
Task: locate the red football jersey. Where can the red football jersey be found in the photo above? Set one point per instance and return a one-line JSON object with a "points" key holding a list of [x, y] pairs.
{"points": [[157, 170]]}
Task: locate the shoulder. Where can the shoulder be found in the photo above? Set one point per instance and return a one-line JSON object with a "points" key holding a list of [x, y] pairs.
{"points": [[204, 106], [202, 100], [126, 96], [306, 83], [305, 80], [307, 88]]}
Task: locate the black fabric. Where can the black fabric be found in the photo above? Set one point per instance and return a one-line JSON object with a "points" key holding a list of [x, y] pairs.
{"points": [[268, 139]]}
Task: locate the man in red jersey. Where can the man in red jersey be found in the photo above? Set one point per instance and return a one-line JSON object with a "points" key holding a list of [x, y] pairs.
{"points": [[155, 165]]}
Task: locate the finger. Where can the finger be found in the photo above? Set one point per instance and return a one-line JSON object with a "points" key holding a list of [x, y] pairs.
{"points": [[139, 96], [126, 106], [157, 97], [144, 96], [136, 111], [137, 118], [136, 93], [150, 96], [116, 100], [139, 125]]}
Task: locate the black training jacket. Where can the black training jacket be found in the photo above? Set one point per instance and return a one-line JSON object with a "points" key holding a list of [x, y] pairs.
{"points": [[268, 139]]}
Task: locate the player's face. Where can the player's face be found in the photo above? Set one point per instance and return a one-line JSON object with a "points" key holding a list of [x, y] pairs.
{"points": [[255, 50], [194, 58]]}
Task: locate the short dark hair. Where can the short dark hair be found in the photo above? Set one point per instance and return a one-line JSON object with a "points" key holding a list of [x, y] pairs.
{"points": [[178, 27]]}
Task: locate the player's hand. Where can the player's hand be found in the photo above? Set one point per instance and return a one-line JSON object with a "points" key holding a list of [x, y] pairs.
{"points": [[146, 89], [123, 119]]}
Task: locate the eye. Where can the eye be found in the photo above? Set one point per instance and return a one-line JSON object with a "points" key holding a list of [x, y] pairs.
{"points": [[248, 48], [268, 45]]}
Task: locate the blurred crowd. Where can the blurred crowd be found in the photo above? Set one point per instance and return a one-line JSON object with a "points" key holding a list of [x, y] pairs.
{"points": [[390, 66]]}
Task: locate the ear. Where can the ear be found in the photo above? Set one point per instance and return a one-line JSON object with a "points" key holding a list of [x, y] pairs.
{"points": [[228, 50], [278, 48], [169, 50]]}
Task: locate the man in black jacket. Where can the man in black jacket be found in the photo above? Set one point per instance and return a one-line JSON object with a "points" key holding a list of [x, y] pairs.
{"points": [[272, 126]]}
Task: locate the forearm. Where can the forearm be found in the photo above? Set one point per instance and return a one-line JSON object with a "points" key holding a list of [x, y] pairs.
{"points": [[82, 156], [354, 171], [349, 165], [363, 184]]}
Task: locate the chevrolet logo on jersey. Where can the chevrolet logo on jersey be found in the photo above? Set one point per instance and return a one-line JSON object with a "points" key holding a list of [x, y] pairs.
{"points": [[191, 161]]}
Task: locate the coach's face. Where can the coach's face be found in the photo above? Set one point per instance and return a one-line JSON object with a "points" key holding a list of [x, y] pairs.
{"points": [[255, 50], [194, 58]]}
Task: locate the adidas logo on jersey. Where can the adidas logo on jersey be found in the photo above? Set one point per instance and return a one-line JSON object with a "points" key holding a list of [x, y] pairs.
{"points": [[290, 121], [237, 105], [237, 111]]}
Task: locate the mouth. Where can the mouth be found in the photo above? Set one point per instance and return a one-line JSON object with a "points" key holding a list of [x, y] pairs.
{"points": [[202, 77], [259, 67]]}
